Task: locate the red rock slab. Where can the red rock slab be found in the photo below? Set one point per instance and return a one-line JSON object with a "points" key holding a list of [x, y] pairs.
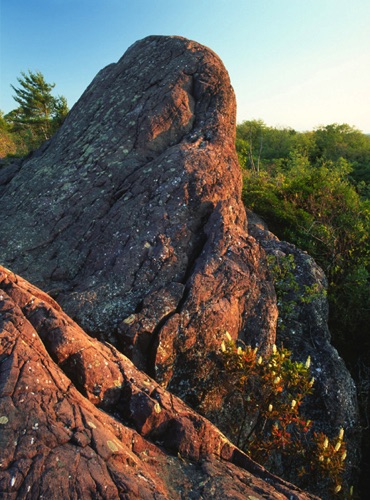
{"points": [[61, 438]]}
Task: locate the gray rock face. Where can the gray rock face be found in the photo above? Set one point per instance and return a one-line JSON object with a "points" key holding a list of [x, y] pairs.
{"points": [[304, 331], [131, 218]]}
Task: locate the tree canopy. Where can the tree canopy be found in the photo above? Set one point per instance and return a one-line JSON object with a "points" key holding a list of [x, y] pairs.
{"points": [[313, 189], [270, 147]]}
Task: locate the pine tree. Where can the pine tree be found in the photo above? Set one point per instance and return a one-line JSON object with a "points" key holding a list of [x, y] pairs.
{"points": [[39, 113]]}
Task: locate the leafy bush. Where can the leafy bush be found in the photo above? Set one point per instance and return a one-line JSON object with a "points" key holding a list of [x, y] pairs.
{"points": [[272, 388], [317, 208]]}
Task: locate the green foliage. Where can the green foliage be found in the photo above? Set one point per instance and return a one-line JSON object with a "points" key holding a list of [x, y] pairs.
{"points": [[7, 144], [335, 141], [289, 292], [38, 115], [317, 207], [272, 388], [314, 191], [271, 148]]}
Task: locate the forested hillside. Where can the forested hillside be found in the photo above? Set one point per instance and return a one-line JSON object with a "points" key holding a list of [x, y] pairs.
{"points": [[313, 189]]}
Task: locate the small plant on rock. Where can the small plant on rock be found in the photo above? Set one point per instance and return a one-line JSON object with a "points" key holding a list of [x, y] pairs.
{"points": [[274, 432], [288, 291]]}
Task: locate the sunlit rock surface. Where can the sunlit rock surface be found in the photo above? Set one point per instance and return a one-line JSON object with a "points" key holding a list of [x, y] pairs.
{"points": [[78, 420]]}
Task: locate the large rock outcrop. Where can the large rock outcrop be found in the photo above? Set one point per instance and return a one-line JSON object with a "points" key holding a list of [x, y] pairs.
{"points": [[131, 219], [131, 216]]}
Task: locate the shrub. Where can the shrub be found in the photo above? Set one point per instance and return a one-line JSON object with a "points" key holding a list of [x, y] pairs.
{"points": [[274, 432]]}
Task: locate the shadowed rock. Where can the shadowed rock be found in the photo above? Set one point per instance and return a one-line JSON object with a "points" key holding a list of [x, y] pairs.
{"points": [[304, 330], [131, 219]]}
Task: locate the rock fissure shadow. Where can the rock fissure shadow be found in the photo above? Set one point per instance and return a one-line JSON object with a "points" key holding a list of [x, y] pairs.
{"points": [[192, 260]]}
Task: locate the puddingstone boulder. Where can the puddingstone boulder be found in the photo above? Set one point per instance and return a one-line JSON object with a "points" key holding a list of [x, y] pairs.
{"points": [[131, 218]]}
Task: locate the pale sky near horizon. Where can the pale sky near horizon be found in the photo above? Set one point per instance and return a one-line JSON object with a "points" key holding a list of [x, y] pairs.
{"points": [[296, 63]]}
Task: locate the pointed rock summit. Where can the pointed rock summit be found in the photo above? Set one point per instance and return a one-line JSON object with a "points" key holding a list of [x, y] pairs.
{"points": [[131, 217], [130, 220]]}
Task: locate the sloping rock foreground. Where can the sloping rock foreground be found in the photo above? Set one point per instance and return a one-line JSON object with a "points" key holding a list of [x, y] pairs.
{"points": [[131, 219], [142, 442]]}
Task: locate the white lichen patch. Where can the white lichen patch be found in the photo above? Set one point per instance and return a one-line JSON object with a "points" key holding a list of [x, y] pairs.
{"points": [[130, 319]]}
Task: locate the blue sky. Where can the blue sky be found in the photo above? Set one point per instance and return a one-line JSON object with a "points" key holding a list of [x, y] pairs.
{"points": [[297, 63]]}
